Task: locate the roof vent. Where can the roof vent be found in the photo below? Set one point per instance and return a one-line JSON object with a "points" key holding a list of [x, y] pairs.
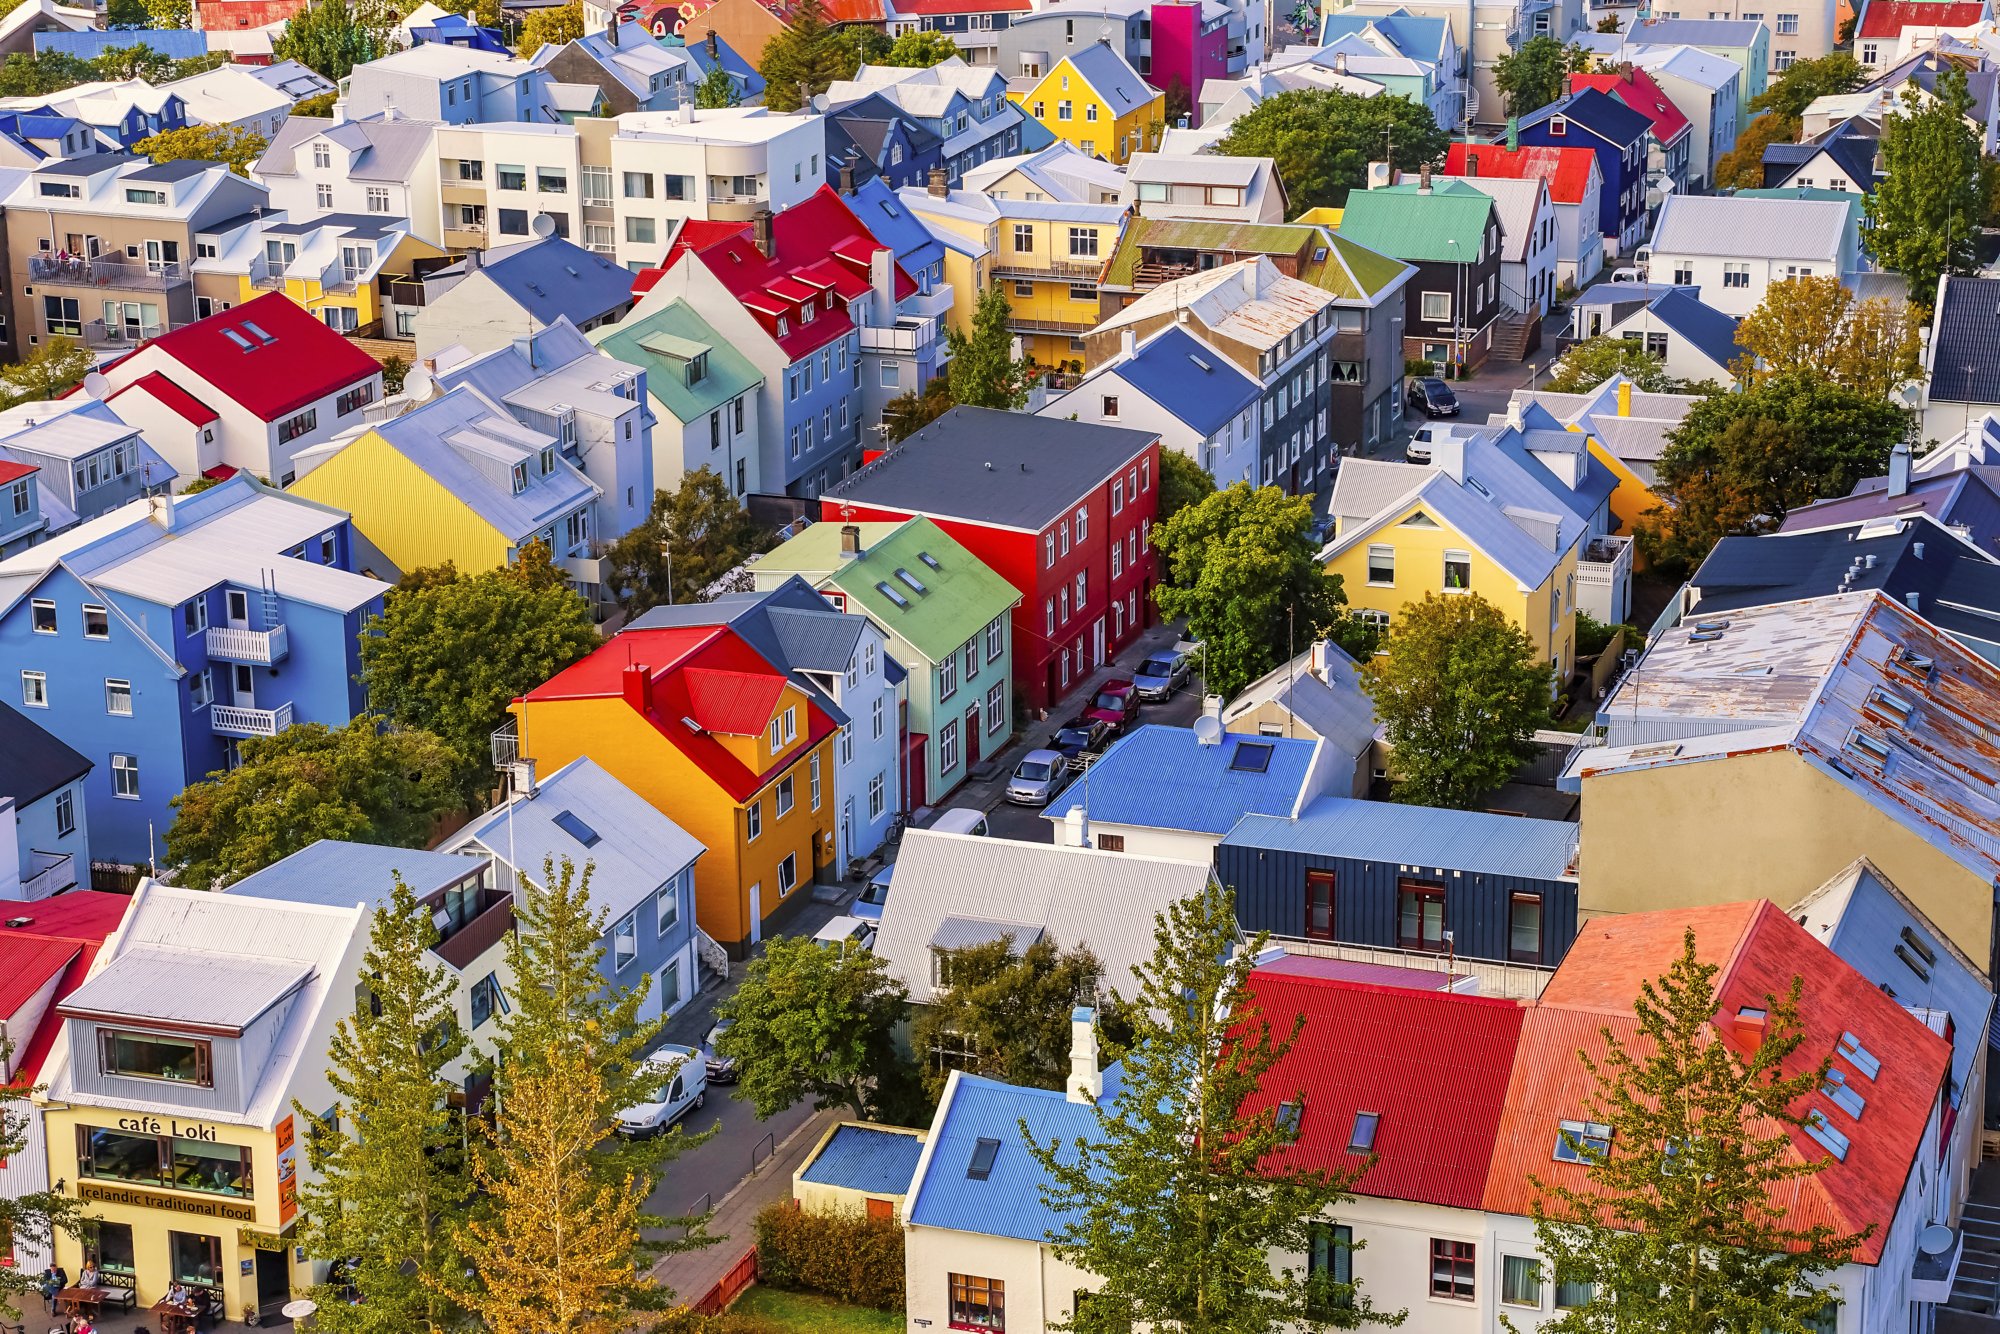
{"points": [[18, 922]]}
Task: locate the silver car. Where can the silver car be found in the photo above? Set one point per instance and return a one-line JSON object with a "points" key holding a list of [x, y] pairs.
{"points": [[1037, 779], [1160, 675]]}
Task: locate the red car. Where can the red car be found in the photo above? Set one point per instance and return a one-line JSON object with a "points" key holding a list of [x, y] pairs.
{"points": [[1116, 705]]}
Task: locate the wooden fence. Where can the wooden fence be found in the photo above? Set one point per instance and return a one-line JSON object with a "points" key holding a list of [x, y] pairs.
{"points": [[740, 1276]]}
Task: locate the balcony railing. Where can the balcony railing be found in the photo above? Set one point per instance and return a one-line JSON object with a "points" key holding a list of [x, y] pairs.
{"points": [[97, 333], [486, 929], [1487, 977], [76, 271], [1068, 270], [908, 337], [263, 647], [53, 873], [506, 742], [1073, 328], [235, 720]]}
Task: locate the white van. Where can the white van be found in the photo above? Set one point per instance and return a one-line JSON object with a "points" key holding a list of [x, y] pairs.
{"points": [[962, 820], [846, 931], [683, 1077]]}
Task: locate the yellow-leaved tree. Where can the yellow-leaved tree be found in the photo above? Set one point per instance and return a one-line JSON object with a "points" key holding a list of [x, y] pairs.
{"points": [[1815, 325]]}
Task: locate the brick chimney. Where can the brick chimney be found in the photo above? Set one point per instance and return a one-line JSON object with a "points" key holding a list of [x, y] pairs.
{"points": [[847, 176], [850, 541], [713, 44], [638, 685], [940, 184], [760, 232], [1424, 179]]}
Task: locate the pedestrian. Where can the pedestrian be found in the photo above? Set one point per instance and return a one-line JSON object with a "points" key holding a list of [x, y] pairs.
{"points": [[53, 1282]]}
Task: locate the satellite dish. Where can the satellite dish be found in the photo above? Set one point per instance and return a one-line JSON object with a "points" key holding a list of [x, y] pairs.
{"points": [[417, 385], [1937, 1239], [95, 385], [543, 225], [1208, 730]]}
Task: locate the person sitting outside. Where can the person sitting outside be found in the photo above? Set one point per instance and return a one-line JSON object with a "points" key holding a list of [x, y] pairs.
{"points": [[89, 1277]]}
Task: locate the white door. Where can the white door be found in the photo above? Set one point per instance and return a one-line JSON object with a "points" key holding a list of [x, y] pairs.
{"points": [[237, 604], [756, 913], [1097, 643], [246, 686]]}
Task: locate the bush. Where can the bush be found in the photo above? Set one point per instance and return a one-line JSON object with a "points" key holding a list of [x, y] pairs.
{"points": [[846, 1256], [1594, 636], [687, 1320]]}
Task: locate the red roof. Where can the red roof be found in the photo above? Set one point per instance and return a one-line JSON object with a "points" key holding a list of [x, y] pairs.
{"points": [[77, 923], [821, 260], [296, 361], [26, 964], [11, 471], [221, 472], [225, 15], [1888, 18], [961, 6], [172, 397], [1758, 951], [1433, 1065], [837, 11], [1636, 89], [707, 673], [1567, 170]]}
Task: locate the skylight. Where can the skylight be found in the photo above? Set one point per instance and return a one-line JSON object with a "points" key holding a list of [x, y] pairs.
{"points": [[1711, 627], [983, 1154], [883, 588], [1859, 1056], [916, 584], [1582, 1141], [1867, 746], [238, 339], [1252, 757], [570, 824], [929, 560], [1828, 1138], [1916, 664], [259, 334], [1892, 708], [1842, 1095], [1910, 962], [1361, 1139], [1919, 944], [1291, 1115]]}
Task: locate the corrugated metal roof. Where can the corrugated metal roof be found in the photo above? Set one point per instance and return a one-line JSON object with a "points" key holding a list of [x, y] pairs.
{"points": [[873, 1159], [179, 984], [1382, 831], [1336, 708], [964, 933], [1159, 777], [1764, 228], [1007, 1201], [1964, 358], [645, 342], [1249, 301], [1188, 378], [340, 874], [1402, 221]]}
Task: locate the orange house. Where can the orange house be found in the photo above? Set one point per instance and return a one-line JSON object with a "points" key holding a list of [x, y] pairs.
{"points": [[719, 740]]}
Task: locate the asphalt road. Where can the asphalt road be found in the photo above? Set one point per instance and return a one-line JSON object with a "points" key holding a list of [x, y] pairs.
{"points": [[1025, 823], [714, 1167]]}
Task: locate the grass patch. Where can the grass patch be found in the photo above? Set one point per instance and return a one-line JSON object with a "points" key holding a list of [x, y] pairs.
{"points": [[811, 1314]]}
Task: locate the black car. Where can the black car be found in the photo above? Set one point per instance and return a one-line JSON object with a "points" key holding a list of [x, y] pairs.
{"points": [[1432, 397], [1078, 737]]}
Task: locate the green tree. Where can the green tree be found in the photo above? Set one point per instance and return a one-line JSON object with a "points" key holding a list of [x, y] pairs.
{"points": [[206, 143], [698, 531], [169, 13], [1536, 73], [395, 372], [558, 25], [983, 371], [1182, 1198], [390, 1202], [1685, 1221], [32, 1219], [328, 37], [861, 45], [450, 652], [1816, 326], [24, 75], [117, 14], [812, 1021], [360, 782], [1460, 693], [1242, 569], [1924, 217], [1183, 482], [318, 108], [1742, 167], [807, 53], [1794, 89], [50, 371], [911, 411], [137, 61], [1006, 1014], [1590, 363], [189, 66], [1323, 140], [716, 90], [920, 49]]}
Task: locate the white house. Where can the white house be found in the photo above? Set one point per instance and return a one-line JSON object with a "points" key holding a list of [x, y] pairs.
{"points": [[1528, 240], [1734, 248]]}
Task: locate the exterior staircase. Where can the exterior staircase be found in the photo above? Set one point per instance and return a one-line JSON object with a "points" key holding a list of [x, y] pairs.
{"points": [[1977, 1286], [1516, 335]]}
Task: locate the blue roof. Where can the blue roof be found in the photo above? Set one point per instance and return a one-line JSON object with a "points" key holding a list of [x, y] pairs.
{"points": [[1413, 36], [1007, 1202], [867, 1159], [457, 30], [1165, 778], [1384, 831], [1701, 324], [1190, 379], [740, 71], [1596, 111], [895, 226], [554, 277], [177, 43], [339, 874]]}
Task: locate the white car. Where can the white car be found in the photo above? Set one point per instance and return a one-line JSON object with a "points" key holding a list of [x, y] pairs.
{"points": [[846, 931], [682, 1073]]}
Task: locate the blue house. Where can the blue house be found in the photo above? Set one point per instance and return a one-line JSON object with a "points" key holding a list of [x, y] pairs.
{"points": [[908, 350], [641, 867], [873, 139], [174, 43], [457, 30], [22, 523], [1403, 877], [41, 795], [154, 639], [712, 51], [1598, 121], [88, 462]]}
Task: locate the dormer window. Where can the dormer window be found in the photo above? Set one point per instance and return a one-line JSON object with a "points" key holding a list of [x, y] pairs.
{"points": [[520, 478], [60, 190], [784, 326], [145, 196], [697, 368], [807, 312], [322, 155], [548, 460]]}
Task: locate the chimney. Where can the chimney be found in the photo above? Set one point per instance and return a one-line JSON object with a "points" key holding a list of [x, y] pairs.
{"points": [[1899, 469], [1448, 455], [805, 96], [850, 541], [684, 111], [1340, 62], [160, 509], [639, 688], [471, 262], [1128, 342], [882, 277], [1624, 398], [525, 784], [1424, 179], [1250, 279], [1086, 1081], [1625, 70], [1748, 1027], [940, 184], [1321, 656], [611, 32], [1471, 164], [1514, 413], [1917, 549], [760, 231], [339, 111], [1915, 601], [714, 46], [1513, 134], [847, 176]]}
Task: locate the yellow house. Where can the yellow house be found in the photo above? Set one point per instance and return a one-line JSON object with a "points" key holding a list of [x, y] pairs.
{"points": [[1094, 99], [347, 270], [712, 735], [1474, 521]]}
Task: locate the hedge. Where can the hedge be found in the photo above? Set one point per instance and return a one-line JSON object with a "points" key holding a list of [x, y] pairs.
{"points": [[846, 1256]]}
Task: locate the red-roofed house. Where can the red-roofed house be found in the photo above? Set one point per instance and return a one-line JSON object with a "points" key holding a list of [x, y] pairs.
{"points": [[1673, 134], [247, 387], [1890, 31], [791, 293], [1575, 183], [749, 25], [46, 950], [718, 739]]}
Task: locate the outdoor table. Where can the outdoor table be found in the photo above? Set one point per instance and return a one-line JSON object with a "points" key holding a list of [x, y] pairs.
{"points": [[79, 1301], [174, 1317]]}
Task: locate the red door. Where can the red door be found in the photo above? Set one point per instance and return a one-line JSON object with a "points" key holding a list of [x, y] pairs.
{"points": [[1319, 905], [971, 738]]}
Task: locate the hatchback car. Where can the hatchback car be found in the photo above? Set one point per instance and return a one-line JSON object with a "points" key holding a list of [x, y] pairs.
{"points": [[1432, 397], [1160, 675], [1039, 776], [1116, 705], [874, 895], [1079, 737], [683, 1082], [721, 1069]]}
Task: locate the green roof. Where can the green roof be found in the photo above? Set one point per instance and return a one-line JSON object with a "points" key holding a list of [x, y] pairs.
{"points": [[1350, 270], [1403, 221], [962, 594], [664, 343]]}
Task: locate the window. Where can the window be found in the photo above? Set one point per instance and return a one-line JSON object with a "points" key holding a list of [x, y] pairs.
{"points": [[1436, 308], [513, 222], [1082, 588], [354, 399], [1735, 275], [1329, 1267], [1457, 570], [1452, 1264], [948, 746], [785, 798], [755, 815], [487, 1000], [1788, 25], [1024, 237], [1083, 242], [551, 181], [1108, 407], [1571, 1295], [996, 707], [118, 698], [125, 776], [35, 689], [625, 941], [153, 1056], [378, 199], [65, 813], [995, 638], [948, 676], [667, 905], [1419, 915], [195, 1258], [670, 985], [323, 196], [294, 427], [876, 788], [1581, 1141], [1520, 1281], [788, 874], [44, 611], [1362, 1138], [1381, 564], [1524, 928], [978, 1303]]}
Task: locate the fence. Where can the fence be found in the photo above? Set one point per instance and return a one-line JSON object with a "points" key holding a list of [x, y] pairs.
{"points": [[740, 1276]]}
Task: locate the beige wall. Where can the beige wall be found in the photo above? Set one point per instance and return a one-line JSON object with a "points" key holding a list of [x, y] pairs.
{"points": [[1765, 825], [1040, 1288]]}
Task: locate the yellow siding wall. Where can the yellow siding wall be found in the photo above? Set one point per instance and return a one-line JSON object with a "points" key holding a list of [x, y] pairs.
{"points": [[315, 298], [1048, 300], [1090, 125], [1631, 498], [409, 517]]}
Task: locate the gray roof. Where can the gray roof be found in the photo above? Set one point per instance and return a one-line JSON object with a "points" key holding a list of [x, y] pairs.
{"points": [[791, 625], [1112, 77], [1386, 831], [340, 874], [1759, 228], [958, 933], [1335, 708], [174, 984], [1965, 347], [34, 761], [1697, 32], [179, 170], [1002, 468], [389, 149], [1077, 896]]}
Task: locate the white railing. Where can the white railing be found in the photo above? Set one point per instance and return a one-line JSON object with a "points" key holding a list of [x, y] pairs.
{"points": [[54, 873], [235, 720], [259, 646], [1512, 981], [909, 336]]}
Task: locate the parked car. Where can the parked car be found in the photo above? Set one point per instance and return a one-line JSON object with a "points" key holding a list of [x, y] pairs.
{"points": [[1320, 531], [1116, 705], [1432, 397], [874, 895], [1080, 736], [1161, 674], [1037, 779], [1627, 275], [721, 1069], [683, 1077], [1421, 440], [845, 932], [962, 820]]}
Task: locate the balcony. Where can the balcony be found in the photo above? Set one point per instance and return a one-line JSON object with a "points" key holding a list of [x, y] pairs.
{"points": [[127, 275], [1065, 328], [506, 743], [263, 647], [1053, 270], [465, 238], [235, 720], [908, 338], [1604, 578], [97, 333], [1488, 977], [51, 873], [488, 926]]}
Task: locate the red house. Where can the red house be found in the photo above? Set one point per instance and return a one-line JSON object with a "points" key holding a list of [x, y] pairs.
{"points": [[1062, 510]]}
